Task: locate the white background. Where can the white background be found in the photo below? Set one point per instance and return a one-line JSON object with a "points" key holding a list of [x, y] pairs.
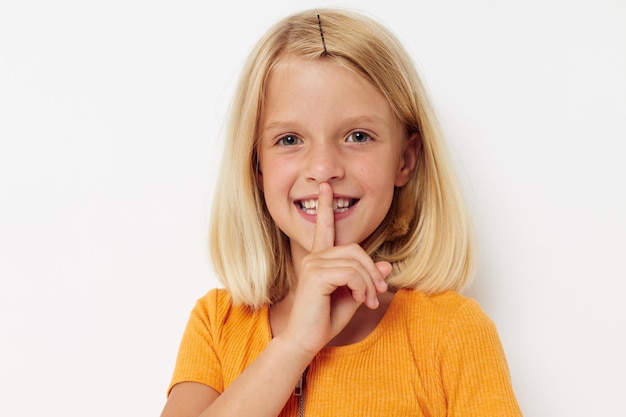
{"points": [[110, 114]]}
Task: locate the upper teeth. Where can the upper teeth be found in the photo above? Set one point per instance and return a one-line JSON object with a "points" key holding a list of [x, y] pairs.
{"points": [[310, 206]]}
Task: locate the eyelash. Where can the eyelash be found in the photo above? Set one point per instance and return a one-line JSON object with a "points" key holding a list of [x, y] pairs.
{"points": [[351, 138], [281, 141], [367, 137]]}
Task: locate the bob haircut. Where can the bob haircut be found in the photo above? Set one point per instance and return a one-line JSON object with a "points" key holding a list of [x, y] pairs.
{"points": [[426, 235]]}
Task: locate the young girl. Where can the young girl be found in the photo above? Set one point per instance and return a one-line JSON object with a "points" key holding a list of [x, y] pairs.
{"points": [[342, 241]]}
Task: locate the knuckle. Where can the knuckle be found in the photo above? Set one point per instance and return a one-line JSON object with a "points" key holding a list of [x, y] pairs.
{"points": [[354, 247]]}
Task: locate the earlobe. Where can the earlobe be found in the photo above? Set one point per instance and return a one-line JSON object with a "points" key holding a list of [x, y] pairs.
{"points": [[408, 162]]}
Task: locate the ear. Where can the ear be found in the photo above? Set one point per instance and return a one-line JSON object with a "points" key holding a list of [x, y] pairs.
{"points": [[412, 146]]}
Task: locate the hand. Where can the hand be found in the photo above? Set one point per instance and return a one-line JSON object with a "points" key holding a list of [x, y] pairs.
{"points": [[334, 281]]}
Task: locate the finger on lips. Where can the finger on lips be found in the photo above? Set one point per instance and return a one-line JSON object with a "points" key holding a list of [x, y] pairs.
{"points": [[324, 236]]}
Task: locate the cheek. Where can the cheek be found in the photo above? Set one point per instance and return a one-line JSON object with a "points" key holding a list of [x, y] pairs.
{"points": [[272, 172], [378, 175], [276, 186], [380, 191], [277, 180]]}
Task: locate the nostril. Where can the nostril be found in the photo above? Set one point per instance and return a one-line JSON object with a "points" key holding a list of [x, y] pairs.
{"points": [[324, 166]]}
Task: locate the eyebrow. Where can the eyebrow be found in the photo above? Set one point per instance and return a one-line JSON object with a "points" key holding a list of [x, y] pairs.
{"points": [[367, 119], [352, 120]]}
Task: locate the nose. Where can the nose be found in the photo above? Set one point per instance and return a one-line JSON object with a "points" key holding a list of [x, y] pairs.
{"points": [[323, 163]]}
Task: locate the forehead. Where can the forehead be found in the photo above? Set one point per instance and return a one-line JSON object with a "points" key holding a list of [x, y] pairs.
{"points": [[297, 68], [303, 87]]}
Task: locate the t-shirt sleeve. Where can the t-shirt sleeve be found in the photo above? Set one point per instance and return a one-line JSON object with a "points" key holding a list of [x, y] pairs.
{"points": [[197, 359], [474, 370]]}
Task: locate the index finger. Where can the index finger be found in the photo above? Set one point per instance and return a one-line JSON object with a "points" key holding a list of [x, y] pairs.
{"points": [[324, 236]]}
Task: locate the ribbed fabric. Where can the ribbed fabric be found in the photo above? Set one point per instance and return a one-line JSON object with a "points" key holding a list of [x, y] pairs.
{"points": [[429, 356]]}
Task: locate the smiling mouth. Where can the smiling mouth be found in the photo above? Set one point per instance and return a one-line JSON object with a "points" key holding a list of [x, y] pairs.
{"points": [[339, 205]]}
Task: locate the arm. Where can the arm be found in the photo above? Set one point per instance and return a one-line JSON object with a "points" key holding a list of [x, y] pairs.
{"points": [[189, 399], [261, 390]]}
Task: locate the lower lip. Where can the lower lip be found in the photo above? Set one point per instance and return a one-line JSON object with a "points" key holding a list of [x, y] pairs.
{"points": [[338, 216]]}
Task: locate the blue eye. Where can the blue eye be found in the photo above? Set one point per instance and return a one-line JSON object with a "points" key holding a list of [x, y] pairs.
{"points": [[358, 137], [289, 140]]}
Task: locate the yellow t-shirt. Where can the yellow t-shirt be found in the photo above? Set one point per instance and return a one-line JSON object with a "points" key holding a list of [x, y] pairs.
{"points": [[430, 356]]}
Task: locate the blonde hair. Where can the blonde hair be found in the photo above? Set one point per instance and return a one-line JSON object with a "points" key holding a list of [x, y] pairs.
{"points": [[426, 235]]}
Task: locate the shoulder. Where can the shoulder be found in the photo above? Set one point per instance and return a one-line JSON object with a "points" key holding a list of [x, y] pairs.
{"points": [[446, 306], [453, 321], [443, 315], [214, 304], [216, 310], [215, 299]]}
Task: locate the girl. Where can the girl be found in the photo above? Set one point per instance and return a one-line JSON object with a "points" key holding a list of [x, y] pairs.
{"points": [[342, 241]]}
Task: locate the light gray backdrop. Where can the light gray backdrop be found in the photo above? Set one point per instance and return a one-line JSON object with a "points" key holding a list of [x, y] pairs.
{"points": [[110, 114]]}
